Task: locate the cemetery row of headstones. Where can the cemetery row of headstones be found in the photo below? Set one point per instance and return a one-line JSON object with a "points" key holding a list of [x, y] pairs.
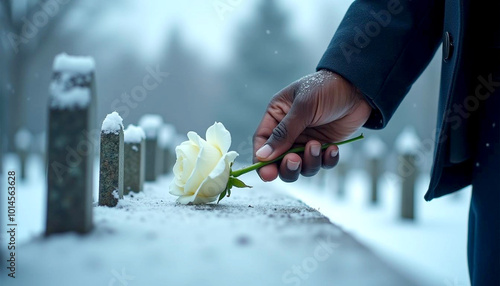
{"points": [[407, 170], [128, 157]]}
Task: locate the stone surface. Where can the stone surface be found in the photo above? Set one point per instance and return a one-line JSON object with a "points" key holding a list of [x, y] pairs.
{"points": [[341, 169], [111, 168], [375, 171], [256, 237], [70, 152], [152, 159], [134, 167], [408, 173]]}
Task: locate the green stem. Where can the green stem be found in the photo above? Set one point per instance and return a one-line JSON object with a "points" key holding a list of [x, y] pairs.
{"points": [[258, 165]]}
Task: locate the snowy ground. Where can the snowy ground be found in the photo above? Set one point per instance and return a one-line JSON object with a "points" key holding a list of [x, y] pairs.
{"points": [[253, 238], [432, 249]]}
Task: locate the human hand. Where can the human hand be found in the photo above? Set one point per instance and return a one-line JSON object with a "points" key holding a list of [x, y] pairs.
{"points": [[319, 108]]}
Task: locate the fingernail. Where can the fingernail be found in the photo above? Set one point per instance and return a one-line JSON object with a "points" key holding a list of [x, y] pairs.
{"points": [[315, 149], [264, 151], [334, 153], [292, 166]]}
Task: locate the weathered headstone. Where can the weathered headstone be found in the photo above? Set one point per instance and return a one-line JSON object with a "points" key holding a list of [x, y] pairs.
{"points": [[111, 161], [134, 152], [166, 140], [342, 169], [374, 149], [151, 124], [22, 140], [69, 175], [407, 145]]}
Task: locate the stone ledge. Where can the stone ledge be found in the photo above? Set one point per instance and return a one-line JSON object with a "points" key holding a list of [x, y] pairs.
{"points": [[256, 237]]}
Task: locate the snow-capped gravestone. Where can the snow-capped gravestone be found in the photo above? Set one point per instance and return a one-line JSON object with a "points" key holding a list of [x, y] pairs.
{"points": [[23, 140], [70, 152], [134, 152], [408, 145], [151, 124], [166, 142], [111, 161], [374, 149]]}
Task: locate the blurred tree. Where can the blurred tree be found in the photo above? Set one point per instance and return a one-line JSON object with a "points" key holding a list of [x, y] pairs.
{"points": [[267, 57], [191, 92], [25, 26]]}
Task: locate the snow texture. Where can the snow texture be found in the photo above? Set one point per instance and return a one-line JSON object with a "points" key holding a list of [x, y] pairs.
{"points": [[408, 142], [113, 123], [151, 124], [77, 97], [257, 234], [134, 134], [166, 137], [80, 64], [22, 139], [374, 147]]}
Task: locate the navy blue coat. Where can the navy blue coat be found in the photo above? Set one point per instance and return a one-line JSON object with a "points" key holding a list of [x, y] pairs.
{"points": [[382, 47]]}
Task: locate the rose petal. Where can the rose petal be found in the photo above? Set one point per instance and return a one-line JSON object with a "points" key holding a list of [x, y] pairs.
{"points": [[218, 136], [207, 159], [216, 182]]}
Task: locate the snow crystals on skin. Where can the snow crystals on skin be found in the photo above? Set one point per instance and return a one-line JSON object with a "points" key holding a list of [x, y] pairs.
{"points": [[113, 123], [151, 123], [134, 134], [408, 141], [68, 99], [64, 62]]}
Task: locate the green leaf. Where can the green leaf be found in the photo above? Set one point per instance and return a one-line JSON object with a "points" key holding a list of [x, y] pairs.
{"points": [[221, 196], [238, 183], [228, 193]]}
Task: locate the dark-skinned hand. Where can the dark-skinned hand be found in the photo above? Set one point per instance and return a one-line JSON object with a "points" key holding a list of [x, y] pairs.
{"points": [[322, 107]]}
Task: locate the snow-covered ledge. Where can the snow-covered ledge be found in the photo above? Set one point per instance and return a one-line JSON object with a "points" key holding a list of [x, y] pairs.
{"points": [[257, 237]]}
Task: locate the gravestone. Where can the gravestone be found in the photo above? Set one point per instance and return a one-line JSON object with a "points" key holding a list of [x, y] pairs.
{"points": [[23, 140], [111, 161], [374, 149], [166, 142], [134, 155], [342, 168], [69, 150], [151, 124], [407, 145]]}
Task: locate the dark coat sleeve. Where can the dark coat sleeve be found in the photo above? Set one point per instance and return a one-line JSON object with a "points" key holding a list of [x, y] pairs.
{"points": [[382, 47]]}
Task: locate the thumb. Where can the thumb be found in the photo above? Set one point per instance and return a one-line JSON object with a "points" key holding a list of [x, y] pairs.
{"points": [[283, 136]]}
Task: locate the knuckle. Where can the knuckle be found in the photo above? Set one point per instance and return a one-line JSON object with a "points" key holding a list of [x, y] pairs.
{"points": [[280, 132]]}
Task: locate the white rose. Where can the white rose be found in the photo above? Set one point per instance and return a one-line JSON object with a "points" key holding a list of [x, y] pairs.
{"points": [[203, 167]]}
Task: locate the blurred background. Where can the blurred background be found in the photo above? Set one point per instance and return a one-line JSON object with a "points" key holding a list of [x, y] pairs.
{"points": [[225, 59]]}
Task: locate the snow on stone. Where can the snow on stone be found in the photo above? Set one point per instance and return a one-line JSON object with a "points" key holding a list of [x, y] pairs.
{"points": [[76, 97], [374, 147], [113, 123], [151, 124], [408, 142], [133, 134], [166, 137], [80, 64], [22, 139]]}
